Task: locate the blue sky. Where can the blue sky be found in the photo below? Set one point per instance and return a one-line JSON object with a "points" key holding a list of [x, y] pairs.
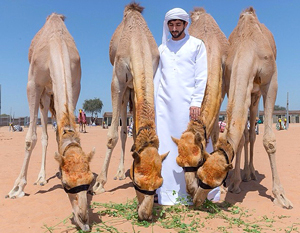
{"points": [[92, 23]]}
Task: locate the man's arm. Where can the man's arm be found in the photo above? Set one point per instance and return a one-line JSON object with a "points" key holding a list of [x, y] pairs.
{"points": [[200, 82]]}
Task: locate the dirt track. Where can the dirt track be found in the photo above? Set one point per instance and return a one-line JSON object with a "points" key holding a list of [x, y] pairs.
{"points": [[49, 204]]}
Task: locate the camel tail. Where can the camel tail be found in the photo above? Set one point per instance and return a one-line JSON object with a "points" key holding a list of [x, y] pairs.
{"points": [[52, 109]]}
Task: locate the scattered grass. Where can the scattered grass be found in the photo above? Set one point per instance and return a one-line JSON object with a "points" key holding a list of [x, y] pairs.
{"points": [[180, 218]]}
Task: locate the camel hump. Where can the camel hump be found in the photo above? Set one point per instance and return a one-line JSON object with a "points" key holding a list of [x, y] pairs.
{"points": [[133, 7]]}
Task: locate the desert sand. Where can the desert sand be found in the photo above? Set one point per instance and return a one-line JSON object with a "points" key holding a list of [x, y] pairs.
{"points": [[49, 205]]}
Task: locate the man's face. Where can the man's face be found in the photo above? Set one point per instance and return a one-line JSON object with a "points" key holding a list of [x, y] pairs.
{"points": [[176, 28]]}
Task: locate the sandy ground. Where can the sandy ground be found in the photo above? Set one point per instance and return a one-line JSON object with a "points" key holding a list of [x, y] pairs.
{"points": [[49, 205]]}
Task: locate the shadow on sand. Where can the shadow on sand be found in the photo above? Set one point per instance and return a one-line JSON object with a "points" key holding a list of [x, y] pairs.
{"points": [[250, 186]]}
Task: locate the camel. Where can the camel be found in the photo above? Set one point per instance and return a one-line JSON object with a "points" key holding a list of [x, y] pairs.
{"points": [[251, 67], [54, 83], [192, 144], [134, 55]]}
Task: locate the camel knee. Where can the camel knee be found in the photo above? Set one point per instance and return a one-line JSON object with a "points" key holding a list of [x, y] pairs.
{"points": [[111, 142], [270, 146], [29, 145]]}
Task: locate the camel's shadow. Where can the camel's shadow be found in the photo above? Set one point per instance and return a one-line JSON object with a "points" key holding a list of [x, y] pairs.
{"points": [[250, 186]]}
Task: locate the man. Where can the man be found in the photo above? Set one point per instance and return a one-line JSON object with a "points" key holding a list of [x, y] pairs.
{"points": [[179, 86]]}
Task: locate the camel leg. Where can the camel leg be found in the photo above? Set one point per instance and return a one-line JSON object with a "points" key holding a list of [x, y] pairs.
{"points": [[112, 135], [234, 186], [215, 133], [123, 135], [253, 113], [41, 180], [33, 95], [269, 142], [246, 176]]}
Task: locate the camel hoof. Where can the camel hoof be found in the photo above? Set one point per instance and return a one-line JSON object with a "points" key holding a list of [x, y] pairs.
{"points": [[234, 189], [98, 191], [11, 197], [253, 177], [283, 202], [118, 177], [98, 188], [246, 178]]}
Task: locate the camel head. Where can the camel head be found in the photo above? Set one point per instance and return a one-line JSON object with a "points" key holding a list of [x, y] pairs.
{"points": [[214, 170], [191, 153], [146, 176], [76, 178]]}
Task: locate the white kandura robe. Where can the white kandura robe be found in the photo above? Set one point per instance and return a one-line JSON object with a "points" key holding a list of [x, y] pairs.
{"points": [[179, 83]]}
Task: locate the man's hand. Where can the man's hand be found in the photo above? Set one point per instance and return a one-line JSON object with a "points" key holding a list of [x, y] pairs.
{"points": [[194, 112]]}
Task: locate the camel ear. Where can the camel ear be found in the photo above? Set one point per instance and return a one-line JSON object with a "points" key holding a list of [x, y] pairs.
{"points": [[175, 140], [163, 156], [229, 167], [58, 158], [91, 154]]}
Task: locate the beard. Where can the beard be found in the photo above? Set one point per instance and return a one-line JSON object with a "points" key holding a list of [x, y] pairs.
{"points": [[176, 34]]}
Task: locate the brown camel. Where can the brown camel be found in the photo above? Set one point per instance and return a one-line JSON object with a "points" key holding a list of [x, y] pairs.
{"points": [[192, 144], [54, 82], [252, 69], [134, 55]]}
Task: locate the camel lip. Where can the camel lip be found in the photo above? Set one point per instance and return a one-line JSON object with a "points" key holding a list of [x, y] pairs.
{"points": [[85, 227]]}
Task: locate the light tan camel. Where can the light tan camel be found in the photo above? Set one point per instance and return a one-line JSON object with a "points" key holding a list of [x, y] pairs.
{"points": [[134, 55], [252, 70], [54, 82], [192, 144]]}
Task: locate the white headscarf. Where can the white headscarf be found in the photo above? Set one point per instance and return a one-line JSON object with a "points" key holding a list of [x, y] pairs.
{"points": [[176, 13]]}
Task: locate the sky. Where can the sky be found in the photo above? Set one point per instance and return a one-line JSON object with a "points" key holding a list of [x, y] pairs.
{"points": [[93, 22]]}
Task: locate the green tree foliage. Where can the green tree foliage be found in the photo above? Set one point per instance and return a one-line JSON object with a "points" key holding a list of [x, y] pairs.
{"points": [[92, 105], [277, 107]]}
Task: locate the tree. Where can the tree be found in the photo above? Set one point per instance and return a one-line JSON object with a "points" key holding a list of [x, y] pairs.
{"points": [[277, 107], [92, 105]]}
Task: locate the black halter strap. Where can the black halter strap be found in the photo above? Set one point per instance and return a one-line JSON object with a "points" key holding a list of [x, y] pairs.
{"points": [[193, 169], [203, 185], [136, 187], [78, 189], [206, 186]]}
